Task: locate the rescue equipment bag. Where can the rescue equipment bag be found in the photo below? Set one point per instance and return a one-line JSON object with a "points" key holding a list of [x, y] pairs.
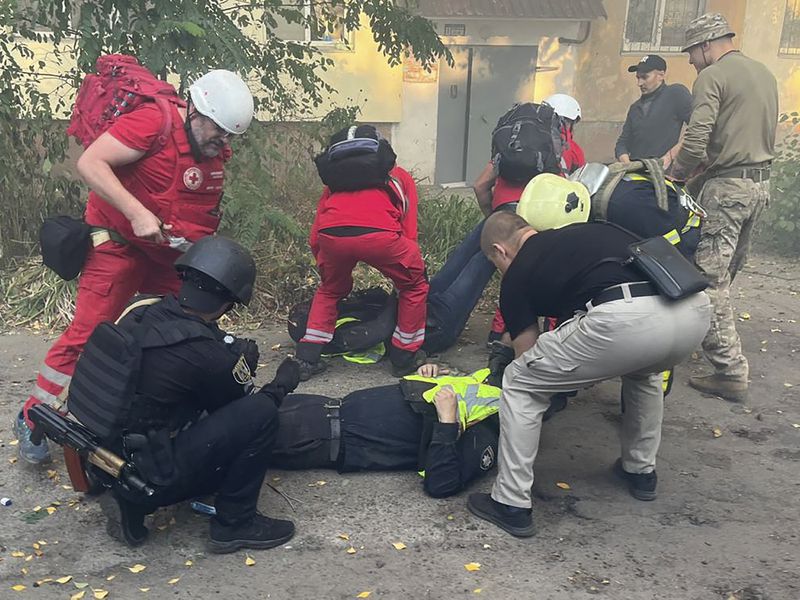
{"points": [[373, 312], [103, 387], [64, 242], [527, 141], [118, 86]]}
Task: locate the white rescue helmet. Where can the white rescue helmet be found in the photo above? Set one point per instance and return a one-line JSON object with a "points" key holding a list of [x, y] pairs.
{"points": [[550, 201], [223, 97], [565, 106]]}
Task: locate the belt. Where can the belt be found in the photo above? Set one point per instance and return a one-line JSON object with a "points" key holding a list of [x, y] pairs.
{"points": [[623, 290], [336, 428], [756, 173]]}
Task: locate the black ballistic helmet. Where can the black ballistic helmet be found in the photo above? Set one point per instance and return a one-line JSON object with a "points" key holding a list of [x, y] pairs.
{"points": [[215, 270]]}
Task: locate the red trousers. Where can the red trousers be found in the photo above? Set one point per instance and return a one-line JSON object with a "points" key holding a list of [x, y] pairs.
{"points": [[397, 257], [112, 275]]}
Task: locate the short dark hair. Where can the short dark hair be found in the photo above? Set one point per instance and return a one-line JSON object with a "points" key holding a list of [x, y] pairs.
{"points": [[501, 227]]}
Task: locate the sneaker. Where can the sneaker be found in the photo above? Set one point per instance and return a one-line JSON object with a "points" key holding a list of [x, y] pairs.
{"points": [[27, 450], [125, 519], [733, 390], [258, 533], [405, 363], [642, 486], [309, 369], [516, 521], [494, 336]]}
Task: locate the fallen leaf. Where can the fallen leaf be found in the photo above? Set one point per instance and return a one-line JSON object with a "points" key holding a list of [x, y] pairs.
{"points": [[29, 558], [744, 316], [13, 443], [67, 487], [174, 580], [51, 510], [12, 460], [110, 578], [275, 347], [65, 579], [364, 595], [17, 554], [716, 432], [450, 517], [99, 594], [37, 508], [563, 486], [144, 590], [476, 591], [317, 484], [787, 385], [249, 561], [52, 474], [473, 566], [78, 595], [24, 571], [19, 588], [188, 563], [137, 568], [486, 546], [351, 550], [344, 536], [796, 425], [399, 545], [81, 585], [606, 581], [36, 545]]}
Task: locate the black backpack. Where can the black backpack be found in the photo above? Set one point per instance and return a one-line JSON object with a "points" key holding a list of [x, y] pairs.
{"points": [[374, 314], [526, 142], [103, 387]]}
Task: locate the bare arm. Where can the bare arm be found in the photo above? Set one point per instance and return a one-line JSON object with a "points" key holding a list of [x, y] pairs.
{"points": [[525, 340], [483, 189], [95, 166]]}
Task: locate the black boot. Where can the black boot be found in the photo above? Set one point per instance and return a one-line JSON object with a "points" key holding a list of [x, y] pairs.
{"points": [[405, 362], [500, 356], [642, 486], [516, 521], [258, 533], [309, 369], [125, 519]]}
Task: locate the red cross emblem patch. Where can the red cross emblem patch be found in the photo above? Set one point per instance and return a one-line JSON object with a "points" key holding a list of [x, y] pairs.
{"points": [[192, 178]]}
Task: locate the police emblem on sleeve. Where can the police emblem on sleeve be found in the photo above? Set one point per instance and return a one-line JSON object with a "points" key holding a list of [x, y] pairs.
{"points": [[241, 371], [487, 459], [192, 178]]}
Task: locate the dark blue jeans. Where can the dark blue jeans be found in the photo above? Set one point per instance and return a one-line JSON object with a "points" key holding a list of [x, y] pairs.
{"points": [[455, 290]]}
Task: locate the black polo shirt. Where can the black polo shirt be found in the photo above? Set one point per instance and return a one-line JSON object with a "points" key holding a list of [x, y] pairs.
{"points": [[556, 273], [654, 122]]}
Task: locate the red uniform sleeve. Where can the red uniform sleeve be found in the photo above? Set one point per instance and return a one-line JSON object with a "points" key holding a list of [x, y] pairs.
{"points": [[409, 223], [139, 129]]}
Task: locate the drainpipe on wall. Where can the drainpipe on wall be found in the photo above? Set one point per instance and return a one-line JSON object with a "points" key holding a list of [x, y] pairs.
{"points": [[586, 27]]}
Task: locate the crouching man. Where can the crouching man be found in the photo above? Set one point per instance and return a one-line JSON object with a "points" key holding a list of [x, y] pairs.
{"points": [[618, 326], [171, 364]]}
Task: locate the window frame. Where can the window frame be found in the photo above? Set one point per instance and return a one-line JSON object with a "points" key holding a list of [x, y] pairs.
{"points": [[789, 51], [654, 45], [345, 43]]}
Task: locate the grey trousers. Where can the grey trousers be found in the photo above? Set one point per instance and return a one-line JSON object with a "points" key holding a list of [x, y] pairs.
{"points": [[632, 338]]}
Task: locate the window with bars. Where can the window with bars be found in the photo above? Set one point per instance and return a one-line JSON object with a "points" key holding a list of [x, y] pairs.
{"points": [[790, 34], [660, 25]]}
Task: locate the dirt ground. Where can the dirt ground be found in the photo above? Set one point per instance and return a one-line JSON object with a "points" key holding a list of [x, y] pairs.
{"points": [[725, 524]]}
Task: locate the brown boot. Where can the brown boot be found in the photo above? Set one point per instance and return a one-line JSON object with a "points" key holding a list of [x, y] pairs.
{"points": [[733, 390]]}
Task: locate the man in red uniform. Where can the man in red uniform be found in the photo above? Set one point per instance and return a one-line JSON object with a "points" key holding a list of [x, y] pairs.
{"points": [[367, 213], [139, 198]]}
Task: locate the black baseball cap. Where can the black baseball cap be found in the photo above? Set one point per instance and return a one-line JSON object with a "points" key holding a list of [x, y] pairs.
{"points": [[651, 62]]}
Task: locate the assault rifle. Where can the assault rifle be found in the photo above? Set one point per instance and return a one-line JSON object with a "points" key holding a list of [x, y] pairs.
{"points": [[80, 446]]}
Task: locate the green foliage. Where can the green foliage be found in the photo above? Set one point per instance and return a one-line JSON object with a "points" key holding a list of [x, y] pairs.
{"points": [[779, 229], [443, 222]]}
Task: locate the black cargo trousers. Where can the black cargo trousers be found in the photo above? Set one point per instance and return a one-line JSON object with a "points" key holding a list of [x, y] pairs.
{"points": [[224, 453]]}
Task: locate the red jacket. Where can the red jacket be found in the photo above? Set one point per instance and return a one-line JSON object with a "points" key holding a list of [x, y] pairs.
{"points": [[368, 208], [573, 157]]}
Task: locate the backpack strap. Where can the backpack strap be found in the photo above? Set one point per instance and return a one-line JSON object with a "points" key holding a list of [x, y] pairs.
{"points": [[616, 172], [396, 193], [165, 106], [655, 168]]}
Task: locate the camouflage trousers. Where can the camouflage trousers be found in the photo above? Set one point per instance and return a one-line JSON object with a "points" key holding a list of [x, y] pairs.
{"points": [[733, 206]]}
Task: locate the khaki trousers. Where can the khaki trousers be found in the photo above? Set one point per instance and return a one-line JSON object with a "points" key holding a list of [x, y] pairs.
{"points": [[632, 338]]}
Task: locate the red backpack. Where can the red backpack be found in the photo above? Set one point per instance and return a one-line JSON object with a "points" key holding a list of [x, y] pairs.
{"points": [[119, 86]]}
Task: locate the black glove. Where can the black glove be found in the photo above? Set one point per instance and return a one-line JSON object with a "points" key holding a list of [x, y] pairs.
{"points": [[285, 382], [249, 349]]}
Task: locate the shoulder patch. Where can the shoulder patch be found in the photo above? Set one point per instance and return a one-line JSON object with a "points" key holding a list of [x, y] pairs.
{"points": [[487, 458], [241, 371]]}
